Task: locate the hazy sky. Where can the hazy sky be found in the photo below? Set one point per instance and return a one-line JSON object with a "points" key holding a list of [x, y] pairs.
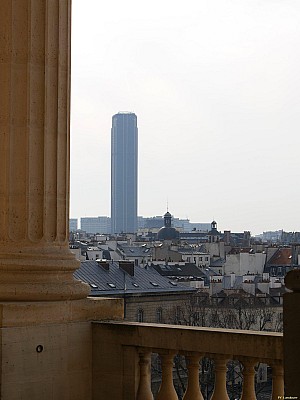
{"points": [[215, 85]]}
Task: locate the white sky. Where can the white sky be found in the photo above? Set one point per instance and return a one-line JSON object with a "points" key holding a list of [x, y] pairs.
{"points": [[215, 85]]}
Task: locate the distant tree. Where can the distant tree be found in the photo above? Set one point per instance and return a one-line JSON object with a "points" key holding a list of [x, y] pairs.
{"points": [[243, 312]]}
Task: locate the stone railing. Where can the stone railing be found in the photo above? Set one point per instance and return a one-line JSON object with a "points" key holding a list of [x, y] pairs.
{"points": [[122, 359]]}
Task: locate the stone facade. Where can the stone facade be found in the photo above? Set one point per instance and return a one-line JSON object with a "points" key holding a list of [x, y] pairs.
{"points": [[155, 309]]}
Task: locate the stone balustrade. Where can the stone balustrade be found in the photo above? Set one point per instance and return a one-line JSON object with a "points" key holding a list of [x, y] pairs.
{"points": [[122, 359]]}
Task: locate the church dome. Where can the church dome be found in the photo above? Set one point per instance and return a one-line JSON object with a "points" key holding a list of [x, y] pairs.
{"points": [[167, 232]]}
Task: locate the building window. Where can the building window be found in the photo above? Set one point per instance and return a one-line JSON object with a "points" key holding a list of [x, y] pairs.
{"points": [[214, 319], [214, 301], [281, 316], [206, 258], [231, 301], [140, 315], [197, 316], [231, 320], [159, 315], [178, 313]]}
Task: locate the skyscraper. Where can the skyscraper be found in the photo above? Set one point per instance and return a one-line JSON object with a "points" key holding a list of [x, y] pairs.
{"points": [[124, 155]]}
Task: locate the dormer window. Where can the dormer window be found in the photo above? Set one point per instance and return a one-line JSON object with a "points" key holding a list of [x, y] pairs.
{"points": [[93, 286], [112, 285]]}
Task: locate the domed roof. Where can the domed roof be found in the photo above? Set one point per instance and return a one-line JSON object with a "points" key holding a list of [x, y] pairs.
{"points": [[167, 233]]}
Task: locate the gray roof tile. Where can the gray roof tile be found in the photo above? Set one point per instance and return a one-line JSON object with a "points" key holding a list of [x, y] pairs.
{"points": [[143, 281]]}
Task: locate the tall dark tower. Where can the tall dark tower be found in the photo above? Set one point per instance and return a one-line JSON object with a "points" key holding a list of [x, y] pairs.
{"points": [[124, 157]]}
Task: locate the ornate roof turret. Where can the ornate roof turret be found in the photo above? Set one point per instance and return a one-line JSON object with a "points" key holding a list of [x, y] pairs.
{"points": [[167, 232], [213, 234]]}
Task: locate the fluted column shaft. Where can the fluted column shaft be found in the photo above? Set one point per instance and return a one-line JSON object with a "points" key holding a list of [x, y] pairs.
{"points": [[144, 390], [35, 262], [291, 329]]}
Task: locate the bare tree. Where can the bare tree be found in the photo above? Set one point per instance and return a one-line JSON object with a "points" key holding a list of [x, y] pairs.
{"points": [[241, 312]]}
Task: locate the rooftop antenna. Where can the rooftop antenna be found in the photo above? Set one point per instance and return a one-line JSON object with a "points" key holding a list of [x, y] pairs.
{"points": [[167, 205]]}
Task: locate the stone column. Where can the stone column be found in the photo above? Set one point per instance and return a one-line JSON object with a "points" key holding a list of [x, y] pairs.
{"points": [[291, 334], [35, 261], [277, 380]]}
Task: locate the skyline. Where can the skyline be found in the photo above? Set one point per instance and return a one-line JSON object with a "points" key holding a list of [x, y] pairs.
{"points": [[175, 225], [214, 86]]}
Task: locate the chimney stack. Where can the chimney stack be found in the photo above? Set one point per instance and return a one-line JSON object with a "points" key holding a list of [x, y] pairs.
{"points": [[127, 266], [104, 264]]}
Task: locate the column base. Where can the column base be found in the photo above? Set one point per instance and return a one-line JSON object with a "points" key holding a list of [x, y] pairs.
{"points": [[43, 291], [18, 314], [40, 276]]}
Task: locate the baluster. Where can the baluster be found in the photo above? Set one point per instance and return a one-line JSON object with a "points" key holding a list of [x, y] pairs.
{"points": [[193, 391], [248, 379], [144, 390], [166, 390], [278, 382], [220, 391]]}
